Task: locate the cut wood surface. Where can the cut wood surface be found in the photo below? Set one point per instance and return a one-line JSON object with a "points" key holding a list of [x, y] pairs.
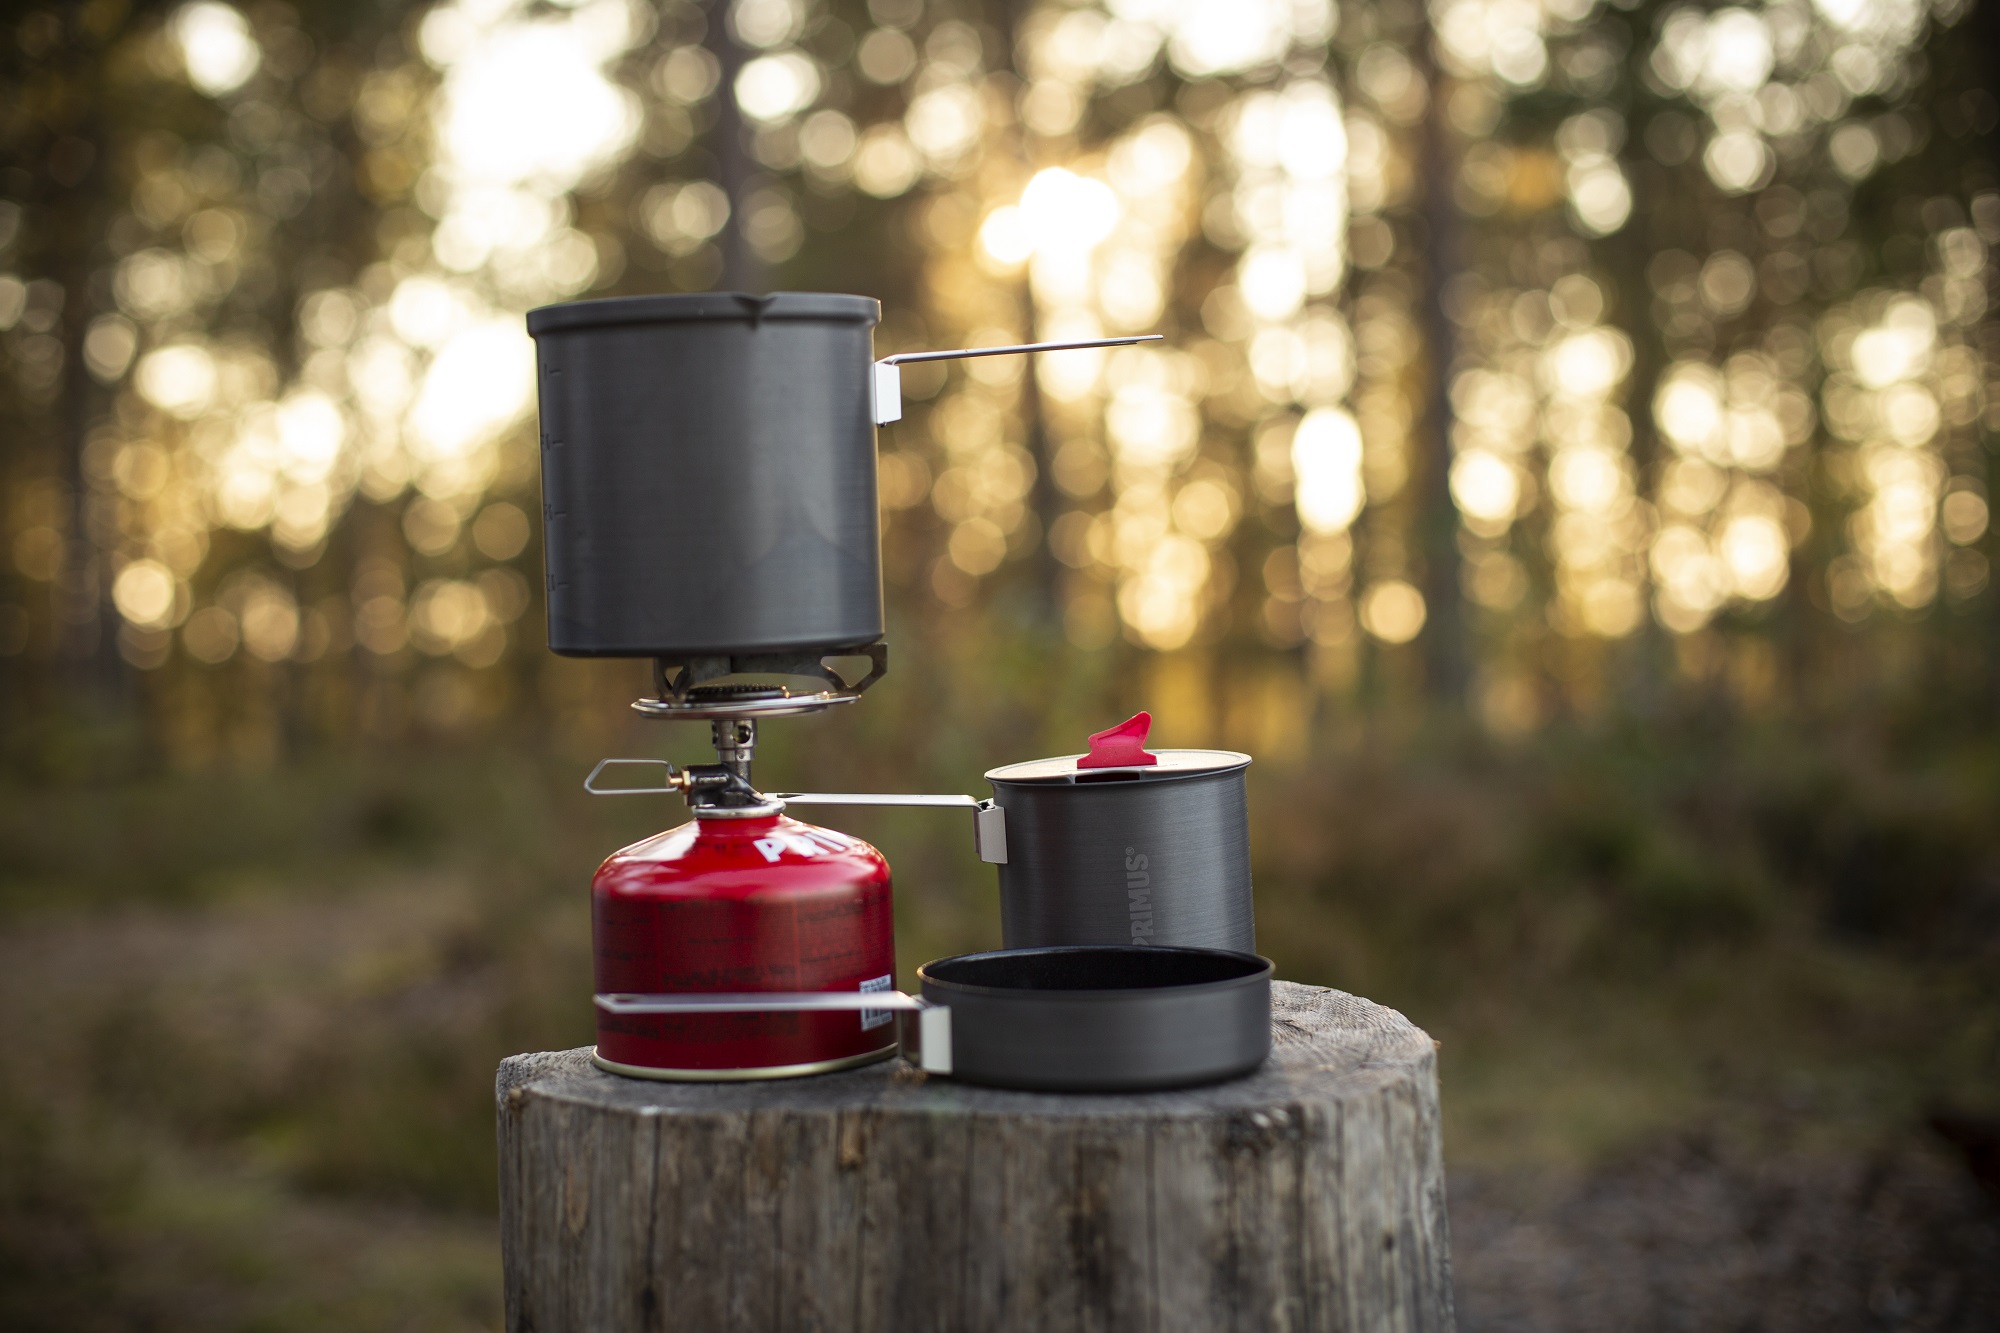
{"points": [[1307, 1196]]}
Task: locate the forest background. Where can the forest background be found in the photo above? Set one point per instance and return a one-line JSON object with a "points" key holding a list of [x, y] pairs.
{"points": [[1566, 470]]}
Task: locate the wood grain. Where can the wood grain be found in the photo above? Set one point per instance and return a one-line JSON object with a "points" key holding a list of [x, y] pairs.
{"points": [[1307, 1196]]}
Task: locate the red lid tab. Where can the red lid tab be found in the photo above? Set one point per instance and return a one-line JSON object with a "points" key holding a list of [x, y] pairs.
{"points": [[1122, 746]]}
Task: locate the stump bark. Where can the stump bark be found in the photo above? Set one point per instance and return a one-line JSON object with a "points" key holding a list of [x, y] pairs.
{"points": [[1307, 1196]]}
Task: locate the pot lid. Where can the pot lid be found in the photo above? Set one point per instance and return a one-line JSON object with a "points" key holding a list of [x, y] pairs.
{"points": [[1119, 754], [735, 307]]}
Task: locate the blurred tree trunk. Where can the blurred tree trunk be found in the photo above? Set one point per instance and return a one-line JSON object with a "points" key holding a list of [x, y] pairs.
{"points": [[1045, 498], [1443, 640], [79, 584], [742, 271], [73, 184]]}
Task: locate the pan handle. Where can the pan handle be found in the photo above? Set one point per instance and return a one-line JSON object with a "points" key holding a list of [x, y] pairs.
{"points": [[923, 1029]]}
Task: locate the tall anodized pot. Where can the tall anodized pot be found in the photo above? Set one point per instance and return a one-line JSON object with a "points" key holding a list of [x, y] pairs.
{"points": [[708, 473]]}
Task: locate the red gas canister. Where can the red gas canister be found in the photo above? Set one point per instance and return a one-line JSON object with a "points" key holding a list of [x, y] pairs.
{"points": [[730, 904]]}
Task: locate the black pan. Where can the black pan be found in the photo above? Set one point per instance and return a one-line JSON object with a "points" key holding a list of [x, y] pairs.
{"points": [[1102, 1018]]}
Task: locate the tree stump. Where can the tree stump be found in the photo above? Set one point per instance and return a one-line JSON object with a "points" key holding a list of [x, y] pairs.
{"points": [[1309, 1195]]}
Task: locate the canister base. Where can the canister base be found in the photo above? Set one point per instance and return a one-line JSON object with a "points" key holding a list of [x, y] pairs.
{"points": [[740, 1075]]}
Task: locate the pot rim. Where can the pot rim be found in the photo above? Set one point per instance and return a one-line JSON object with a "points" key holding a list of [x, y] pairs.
{"points": [[685, 307], [1062, 771]]}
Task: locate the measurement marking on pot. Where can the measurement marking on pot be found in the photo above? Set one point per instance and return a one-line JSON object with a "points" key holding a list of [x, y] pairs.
{"points": [[1139, 895]]}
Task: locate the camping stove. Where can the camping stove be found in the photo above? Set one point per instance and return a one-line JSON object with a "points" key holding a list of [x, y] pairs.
{"points": [[709, 503], [745, 899]]}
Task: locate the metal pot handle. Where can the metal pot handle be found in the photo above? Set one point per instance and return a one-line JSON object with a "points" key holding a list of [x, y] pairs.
{"points": [[885, 387], [923, 1029], [989, 821]]}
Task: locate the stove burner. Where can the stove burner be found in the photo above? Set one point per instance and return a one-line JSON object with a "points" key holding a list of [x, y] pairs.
{"points": [[692, 689], [774, 702], [740, 692]]}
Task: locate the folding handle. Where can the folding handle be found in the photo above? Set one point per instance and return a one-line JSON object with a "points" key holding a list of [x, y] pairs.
{"points": [[989, 821], [876, 798], [753, 1002], [886, 386], [923, 1037]]}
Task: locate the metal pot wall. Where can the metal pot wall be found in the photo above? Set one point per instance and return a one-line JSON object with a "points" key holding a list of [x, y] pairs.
{"points": [[708, 473], [1130, 853]]}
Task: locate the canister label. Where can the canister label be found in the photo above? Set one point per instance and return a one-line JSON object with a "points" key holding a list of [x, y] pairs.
{"points": [[875, 1018]]}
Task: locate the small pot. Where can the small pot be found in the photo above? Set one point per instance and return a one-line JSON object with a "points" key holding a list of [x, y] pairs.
{"points": [[1118, 846]]}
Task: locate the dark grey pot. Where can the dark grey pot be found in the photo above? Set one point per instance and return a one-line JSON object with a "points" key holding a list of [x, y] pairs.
{"points": [[1155, 855], [1118, 1019], [708, 473]]}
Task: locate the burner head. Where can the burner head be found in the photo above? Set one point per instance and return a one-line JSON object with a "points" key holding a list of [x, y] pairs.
{"points": [[697, 688], [738, 693], [776, 702]]}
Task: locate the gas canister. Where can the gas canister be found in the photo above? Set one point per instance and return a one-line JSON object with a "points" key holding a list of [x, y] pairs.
{"points": [[732, 903]]}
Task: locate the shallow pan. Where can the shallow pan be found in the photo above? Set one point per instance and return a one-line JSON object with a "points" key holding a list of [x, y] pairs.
{"points": [[1102, 1018], [1075, 1018]]}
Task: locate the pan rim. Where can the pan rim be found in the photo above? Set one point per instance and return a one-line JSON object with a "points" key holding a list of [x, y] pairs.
{"points": [[1261, 974]]}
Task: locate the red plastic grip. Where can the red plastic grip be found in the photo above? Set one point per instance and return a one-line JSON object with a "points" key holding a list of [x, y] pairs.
{"points": [[1122, 746]]}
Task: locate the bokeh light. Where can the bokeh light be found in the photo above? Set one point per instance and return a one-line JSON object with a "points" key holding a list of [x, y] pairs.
{"points": [[216, 43], [1261, 184]]}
